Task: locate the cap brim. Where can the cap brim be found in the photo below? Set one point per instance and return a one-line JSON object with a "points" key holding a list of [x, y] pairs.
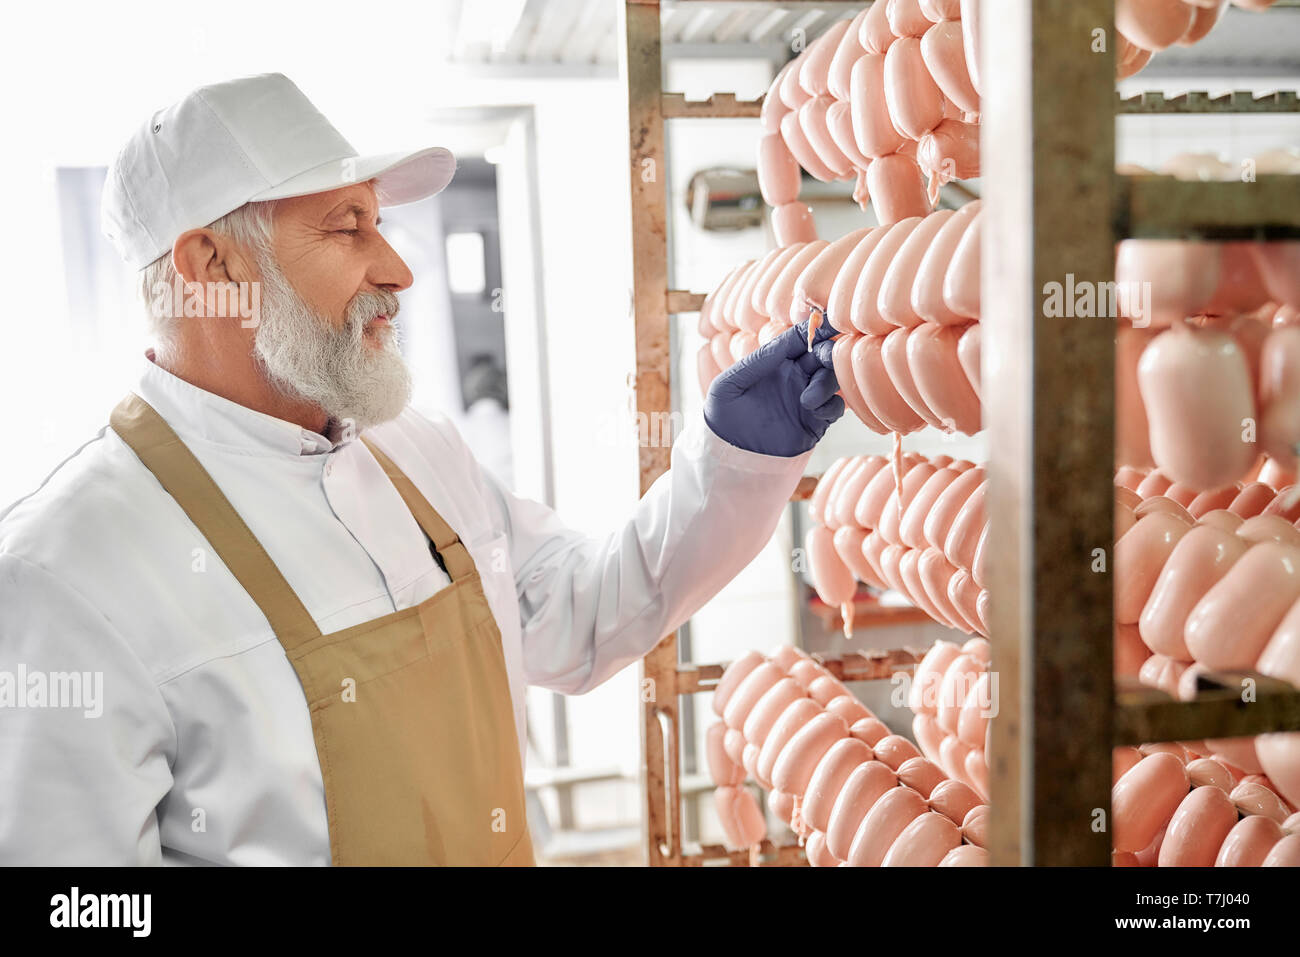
{"points": [[400, 178]]}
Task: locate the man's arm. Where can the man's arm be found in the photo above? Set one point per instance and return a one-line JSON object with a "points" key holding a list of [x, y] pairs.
{"points": [[79, 784], [590, 606]]}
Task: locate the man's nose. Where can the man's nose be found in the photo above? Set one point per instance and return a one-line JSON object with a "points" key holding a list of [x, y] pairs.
{"points": [[389, 270]]}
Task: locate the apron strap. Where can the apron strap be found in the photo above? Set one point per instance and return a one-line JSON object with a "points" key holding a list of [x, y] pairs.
{"points": [[446, 541], [180, 473]]}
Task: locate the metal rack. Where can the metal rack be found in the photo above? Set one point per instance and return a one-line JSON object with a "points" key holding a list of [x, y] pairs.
{"points": [[1055, 205]]}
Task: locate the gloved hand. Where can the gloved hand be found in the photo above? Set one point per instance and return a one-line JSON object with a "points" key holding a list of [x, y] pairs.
{"points": [[779, 399]]}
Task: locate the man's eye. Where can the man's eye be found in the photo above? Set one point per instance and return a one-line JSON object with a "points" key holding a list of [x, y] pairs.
{"points": [[348, 232]]}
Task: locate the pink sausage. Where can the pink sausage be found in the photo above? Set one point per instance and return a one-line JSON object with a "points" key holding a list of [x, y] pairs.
{"points": [[1197, 433], [949, 151], [778, 171], [894, 301], [1279, 387], [893, 351], [814, 75], [818, 854], [882, 825], [839, 123], [864, 306], [966, 855], [847, 53], [921, 775], [894, 749], [1248, 843], [848, 545], [970, 40], [900, 499], [912, 528], [724, 771], [1252, 798], [1281, 656], [906, 18], [927, 290], [897, 188], [780, 298], [1153, 24], [1212, 501], [706, 369], [839, 306], [928, 735], [943, 515], [1198, 829], [759, 294], [1139, 557], [975, 828], [953, 800], [830, 576], [1285, 853], [945, 58], [791, 90], [816, 130], [1279, 265], [968, 354], [1198, 561], [1238, 754], [733, 742], [849, 708], [937, 11], [735, 673], [932, 353], [812, 290], [1132, 433], [866, 785], [795, 136], [936, 578], [923, 694], [925, 842], [961, 283], [747, 694], [1145, 798], [964, 592], [1230, 626], [817, 504], [846, 501], [799, 758], [1279, 755], [793, 224], [738, 812], [770, 707], [874, 33], [967, 527], [1206, 771], [1252, 500], [826, 688], [774, 107], [798, 714], [870, 731], [873, 131], [915, 100], [829, 778]]}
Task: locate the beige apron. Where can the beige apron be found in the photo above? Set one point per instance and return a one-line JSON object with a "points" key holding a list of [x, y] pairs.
{"points": [[411, 712]]}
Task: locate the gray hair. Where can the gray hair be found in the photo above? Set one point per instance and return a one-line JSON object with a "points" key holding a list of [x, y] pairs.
{"points": [[250, 225]]}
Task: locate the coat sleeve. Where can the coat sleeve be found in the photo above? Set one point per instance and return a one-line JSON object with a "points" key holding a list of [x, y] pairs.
{"points": [[590, 606], [78, 785]]}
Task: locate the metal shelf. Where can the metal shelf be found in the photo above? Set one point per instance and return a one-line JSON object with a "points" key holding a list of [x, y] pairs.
{"points": [[1238, 101]]}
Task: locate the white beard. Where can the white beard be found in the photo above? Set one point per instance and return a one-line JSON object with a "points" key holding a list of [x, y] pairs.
{"points": [[305, 357]]}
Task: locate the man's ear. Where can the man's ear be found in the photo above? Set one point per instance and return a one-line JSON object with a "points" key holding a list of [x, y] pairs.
{"points": [[203, 256]]}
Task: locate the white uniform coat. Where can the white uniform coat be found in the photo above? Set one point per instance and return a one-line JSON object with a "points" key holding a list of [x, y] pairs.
{"points": [[203, 750]]}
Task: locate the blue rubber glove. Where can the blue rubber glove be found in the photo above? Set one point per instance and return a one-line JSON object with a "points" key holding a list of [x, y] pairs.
{"points": [[779, 399]]}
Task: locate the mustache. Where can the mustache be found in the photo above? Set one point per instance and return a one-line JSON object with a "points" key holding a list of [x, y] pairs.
{"points": [[366, 305]]}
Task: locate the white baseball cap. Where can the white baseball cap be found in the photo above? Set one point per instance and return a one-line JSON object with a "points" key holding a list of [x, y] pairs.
{"points": [[250, 139]]}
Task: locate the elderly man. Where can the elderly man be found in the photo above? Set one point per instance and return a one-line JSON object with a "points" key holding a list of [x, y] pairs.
{"points": [[272, 615]]}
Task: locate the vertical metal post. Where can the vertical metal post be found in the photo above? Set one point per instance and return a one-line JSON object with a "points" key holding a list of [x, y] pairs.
{"points": [[647, 172], [1048, 143]]}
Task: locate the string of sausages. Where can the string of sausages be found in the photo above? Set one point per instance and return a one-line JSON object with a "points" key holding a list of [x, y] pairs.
{"points": [[852, 790], [1211, 584], [905, 299], [880, 99], [924, 536]]}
